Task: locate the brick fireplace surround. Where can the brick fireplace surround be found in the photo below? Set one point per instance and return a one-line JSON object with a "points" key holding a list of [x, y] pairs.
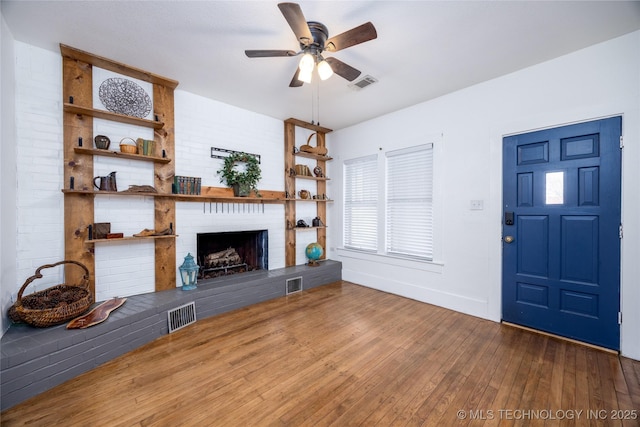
{"points": [[35, 360]]}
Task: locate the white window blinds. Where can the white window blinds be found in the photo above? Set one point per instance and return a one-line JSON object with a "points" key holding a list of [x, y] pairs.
{"points": [[361, 203], [409, 199]]}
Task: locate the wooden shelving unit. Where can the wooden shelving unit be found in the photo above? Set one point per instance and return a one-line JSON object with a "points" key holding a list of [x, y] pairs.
{"points": [[78, 161], [290, 155]]}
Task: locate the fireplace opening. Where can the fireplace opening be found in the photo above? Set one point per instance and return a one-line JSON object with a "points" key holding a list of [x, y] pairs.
{"points": [[222, 254]]}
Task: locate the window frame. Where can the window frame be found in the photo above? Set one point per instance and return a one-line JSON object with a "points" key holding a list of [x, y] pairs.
{"points": [[369, 201], [380, 251], [409, 194]]}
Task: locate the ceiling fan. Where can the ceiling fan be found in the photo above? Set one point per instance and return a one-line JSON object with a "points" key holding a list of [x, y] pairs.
{"points": [[314, 40]]}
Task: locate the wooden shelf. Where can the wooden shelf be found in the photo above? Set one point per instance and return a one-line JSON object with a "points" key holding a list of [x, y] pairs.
{"points": [[313, 178], [102, 114], [115, 193], [310, 126], [118, 154], [181, 197], [129, 238], [205, 198], [117, 67], [308, 228], [312, 156], [310, 200]]}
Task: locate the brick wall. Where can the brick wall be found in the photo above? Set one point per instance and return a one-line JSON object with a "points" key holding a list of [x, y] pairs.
{"points": [[7, 169], [124, 269], [203, 123], [39, 163]]}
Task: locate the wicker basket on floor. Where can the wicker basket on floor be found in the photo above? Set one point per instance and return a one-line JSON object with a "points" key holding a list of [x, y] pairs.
{"points": [[54, 305]]}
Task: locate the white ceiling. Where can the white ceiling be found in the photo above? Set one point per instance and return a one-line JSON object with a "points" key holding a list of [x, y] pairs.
{"points": [[424, 49]]}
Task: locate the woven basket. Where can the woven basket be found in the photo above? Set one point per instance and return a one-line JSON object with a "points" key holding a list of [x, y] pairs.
{"points": [[128, 148], [306, 148], [54, 305]]}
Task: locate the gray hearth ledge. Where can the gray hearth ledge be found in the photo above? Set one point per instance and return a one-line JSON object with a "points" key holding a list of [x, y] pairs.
{"points": [[35, 360]]}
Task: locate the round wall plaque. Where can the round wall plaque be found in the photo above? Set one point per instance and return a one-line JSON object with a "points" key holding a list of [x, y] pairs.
{"points": [[124, 97]]}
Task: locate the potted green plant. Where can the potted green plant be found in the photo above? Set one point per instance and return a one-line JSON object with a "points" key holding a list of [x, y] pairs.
{"points": [[241, 179]]}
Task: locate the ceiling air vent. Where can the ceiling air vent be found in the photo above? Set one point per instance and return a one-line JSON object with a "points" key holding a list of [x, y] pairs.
{"points": [[363, 82]]}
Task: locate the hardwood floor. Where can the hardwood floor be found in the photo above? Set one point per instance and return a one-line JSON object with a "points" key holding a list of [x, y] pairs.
{"points": [[342, 355]]}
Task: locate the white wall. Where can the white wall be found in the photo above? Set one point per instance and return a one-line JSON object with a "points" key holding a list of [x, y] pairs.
{"points": [[38, 160], [603, 80], [7, 170]]}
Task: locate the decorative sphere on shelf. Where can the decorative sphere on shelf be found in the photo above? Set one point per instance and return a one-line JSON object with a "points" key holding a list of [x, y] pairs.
{"points": [[314, 252]]}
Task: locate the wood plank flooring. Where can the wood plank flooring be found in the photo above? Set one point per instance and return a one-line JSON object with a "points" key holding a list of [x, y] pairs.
{"points": [[346, 355]]}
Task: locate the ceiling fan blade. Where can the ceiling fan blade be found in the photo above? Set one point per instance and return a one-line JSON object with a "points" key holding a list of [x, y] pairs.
{"points": [[294, 81], [354, 36], [294, 16], [342, 69], [268, 53]]}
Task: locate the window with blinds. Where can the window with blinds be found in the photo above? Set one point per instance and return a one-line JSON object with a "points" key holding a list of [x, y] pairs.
{"points": [[361, 203], [409, 200]]}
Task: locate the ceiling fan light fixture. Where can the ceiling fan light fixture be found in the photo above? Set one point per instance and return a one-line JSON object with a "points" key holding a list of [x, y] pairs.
{"points": [[324, 70], [313, 38], [305, 76], [306, 63]]}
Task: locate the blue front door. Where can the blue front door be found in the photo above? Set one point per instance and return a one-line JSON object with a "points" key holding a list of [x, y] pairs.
{"points": [[561, 231]]}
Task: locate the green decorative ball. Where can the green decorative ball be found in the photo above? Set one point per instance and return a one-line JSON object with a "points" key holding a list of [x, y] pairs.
{"points": [[314, 251]]}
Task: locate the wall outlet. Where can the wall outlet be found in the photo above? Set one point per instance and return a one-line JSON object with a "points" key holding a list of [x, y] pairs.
{"points": [[476, 205]]}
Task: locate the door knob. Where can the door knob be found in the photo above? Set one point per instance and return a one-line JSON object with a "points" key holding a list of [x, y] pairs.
{"points": [[508, 239]]}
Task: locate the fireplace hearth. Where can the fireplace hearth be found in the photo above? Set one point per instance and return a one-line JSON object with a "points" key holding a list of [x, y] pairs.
{"points": [[222, 254]]}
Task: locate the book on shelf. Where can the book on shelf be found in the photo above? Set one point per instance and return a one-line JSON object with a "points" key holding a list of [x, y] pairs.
{"points": [[187, 185]]}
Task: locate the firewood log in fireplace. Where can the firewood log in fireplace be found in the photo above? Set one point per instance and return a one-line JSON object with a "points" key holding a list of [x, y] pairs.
{"points": [[222, 259]]}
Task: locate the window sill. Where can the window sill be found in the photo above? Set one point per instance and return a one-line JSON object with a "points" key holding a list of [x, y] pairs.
{"points": [[430, 266]]}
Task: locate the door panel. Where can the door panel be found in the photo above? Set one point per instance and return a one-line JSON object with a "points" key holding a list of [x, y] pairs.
{"points": [[579, 249], [561, 271], [533, 257]]}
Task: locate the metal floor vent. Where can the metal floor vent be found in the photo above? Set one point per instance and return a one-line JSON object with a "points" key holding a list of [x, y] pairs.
{"points": [[363, 82], [294, 285], [182, 316]]}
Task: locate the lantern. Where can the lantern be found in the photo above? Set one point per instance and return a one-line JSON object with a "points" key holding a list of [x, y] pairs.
{"points": [[189, 273]]}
